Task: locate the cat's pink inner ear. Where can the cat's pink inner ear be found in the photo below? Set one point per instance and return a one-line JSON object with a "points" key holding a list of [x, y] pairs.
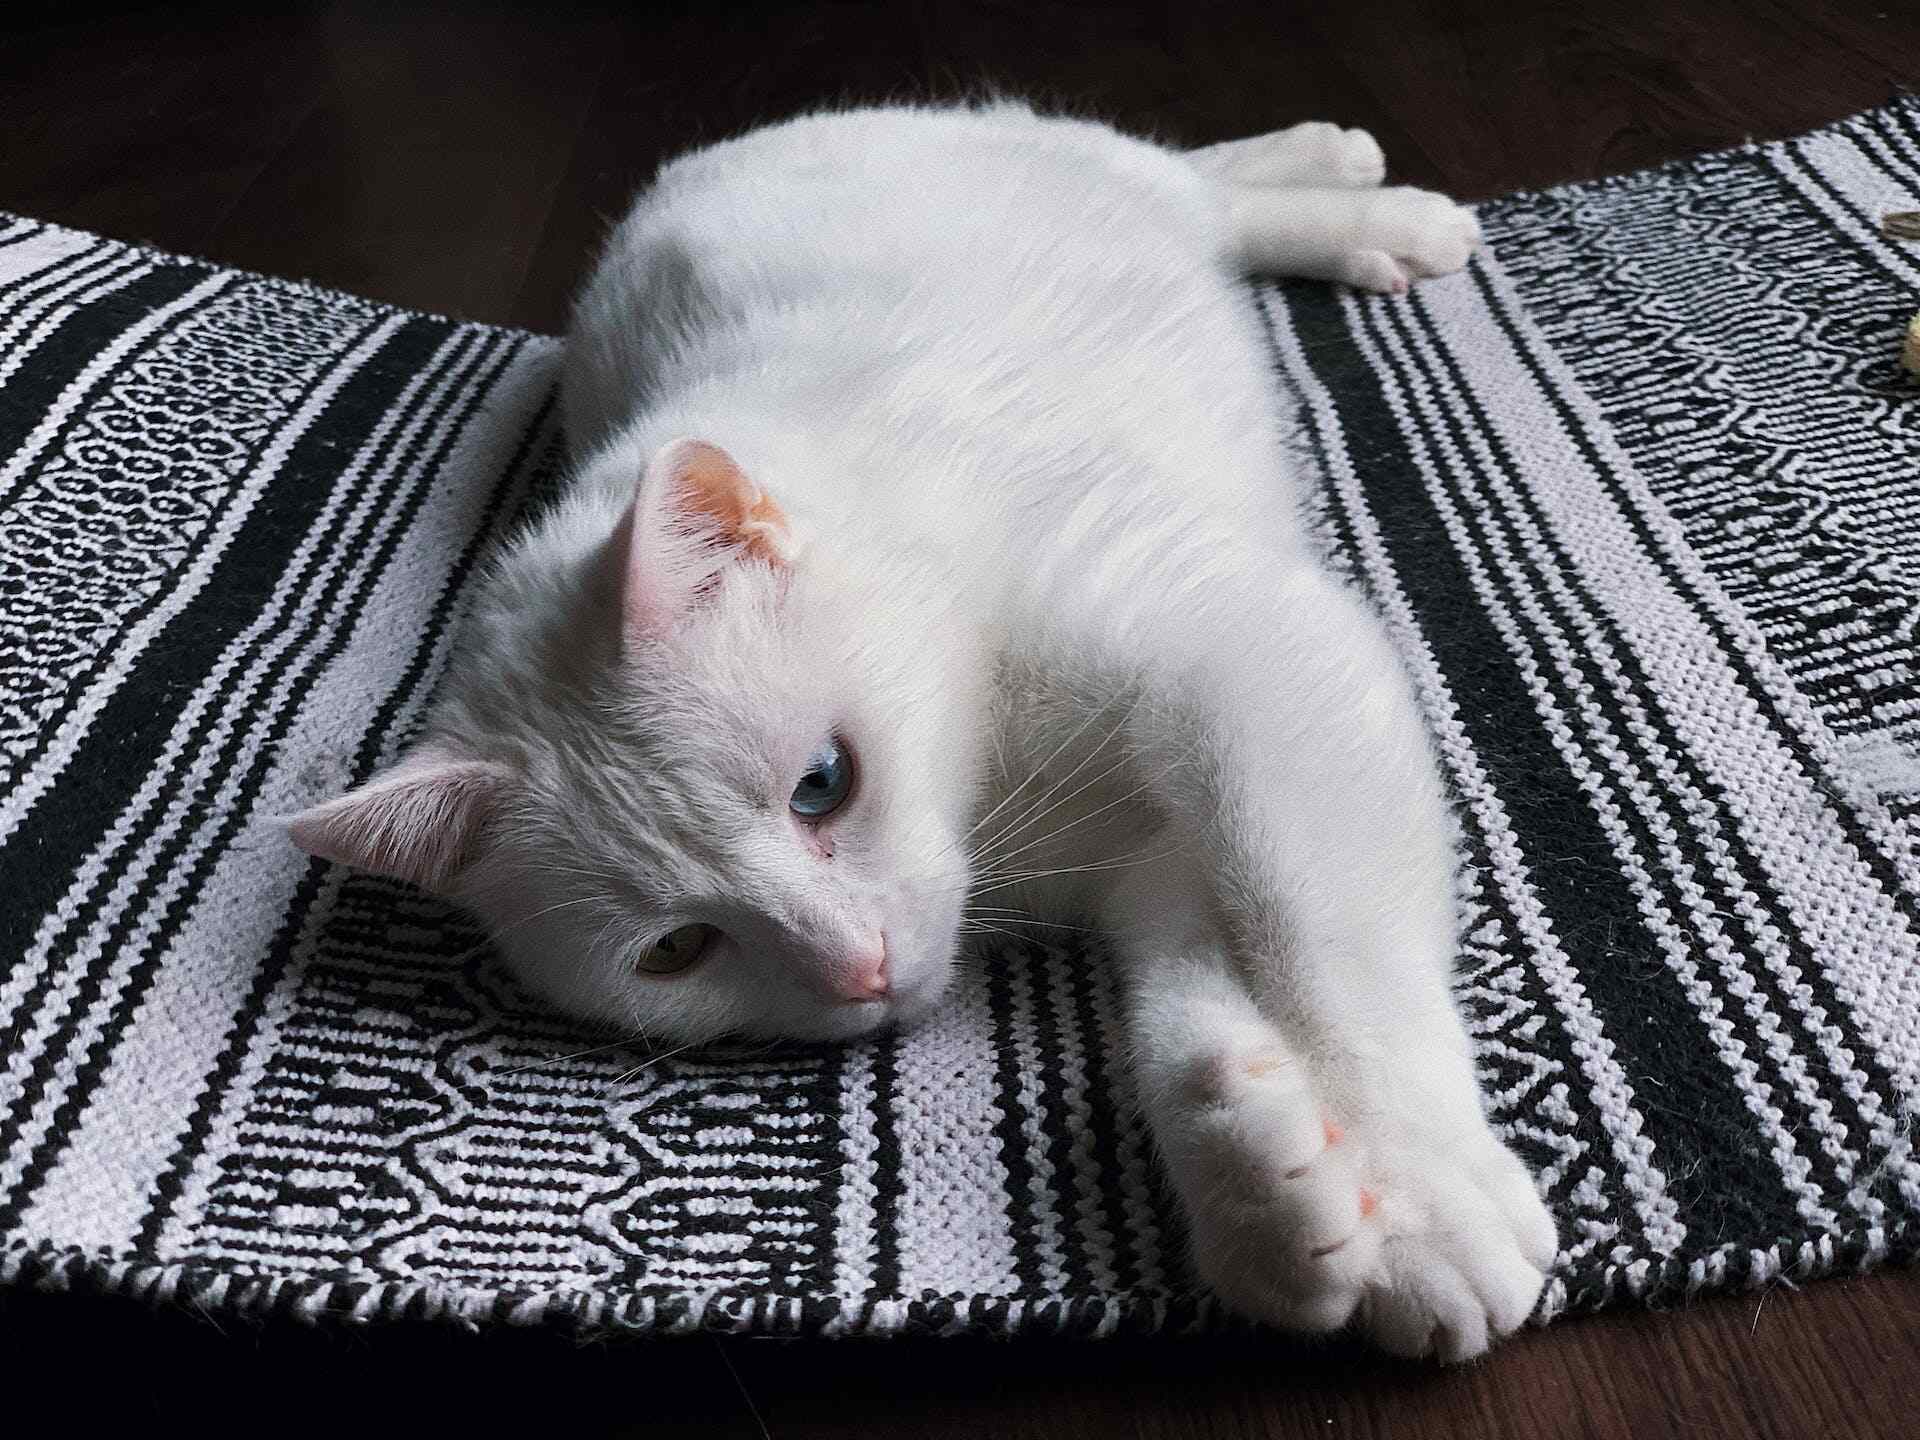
{"points": [[711, 493], [419, 822], [694, 511]]}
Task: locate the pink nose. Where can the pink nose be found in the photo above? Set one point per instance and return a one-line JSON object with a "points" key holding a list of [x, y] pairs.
{"points": [[865, 976]]}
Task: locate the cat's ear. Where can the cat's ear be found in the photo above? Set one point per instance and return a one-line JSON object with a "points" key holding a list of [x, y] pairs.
{"points": [[694, 512], [419, 822]]}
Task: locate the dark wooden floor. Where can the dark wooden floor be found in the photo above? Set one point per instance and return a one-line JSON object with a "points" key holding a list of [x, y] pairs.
{"points": [[464, 158], [1836, 1361]]}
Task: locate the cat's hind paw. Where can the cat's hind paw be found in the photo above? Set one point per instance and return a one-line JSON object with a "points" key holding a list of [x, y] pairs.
{"points": [[1423, 233], [1354, 160], [1312, 154], [1373, 270]]}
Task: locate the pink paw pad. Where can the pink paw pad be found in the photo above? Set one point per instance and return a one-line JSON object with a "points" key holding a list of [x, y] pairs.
{"points": [[1334, 1135]]}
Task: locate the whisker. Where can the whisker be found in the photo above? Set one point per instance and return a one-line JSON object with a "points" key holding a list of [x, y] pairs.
{"points": [[576, 1055], [468, 953], [624, 1076], [592, 873], [538, 914], [1119, 864], [1081, 789], [994, 930], [1036, 773], [1048, 924], [1001, 876], [1027, 817], [1139, 789], [1019, 917], [1143, 786]]}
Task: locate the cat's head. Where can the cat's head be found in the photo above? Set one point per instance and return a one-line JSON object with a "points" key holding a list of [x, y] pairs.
{"points": [[699, 770]]}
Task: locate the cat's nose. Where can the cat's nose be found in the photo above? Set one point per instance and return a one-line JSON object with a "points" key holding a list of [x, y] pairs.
{"points": [[866, 978]]}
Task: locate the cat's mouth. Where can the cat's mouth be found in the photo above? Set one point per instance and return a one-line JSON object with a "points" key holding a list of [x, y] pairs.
{"points": [[905, 1007]]}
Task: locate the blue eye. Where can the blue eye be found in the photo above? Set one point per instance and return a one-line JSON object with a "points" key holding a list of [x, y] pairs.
{"points": [[823, 789]]}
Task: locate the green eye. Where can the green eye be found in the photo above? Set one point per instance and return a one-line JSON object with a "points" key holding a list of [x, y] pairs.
{"points": [[829, 778], [677, 950]]}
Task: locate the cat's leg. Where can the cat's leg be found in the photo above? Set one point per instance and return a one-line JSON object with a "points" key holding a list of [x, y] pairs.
{"points": [[1314, 153], [1320, 883], [1275, 1200], [1379, 240]]}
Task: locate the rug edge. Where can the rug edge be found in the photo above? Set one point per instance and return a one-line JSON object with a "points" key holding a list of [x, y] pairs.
{"points": [[206, 1287]]}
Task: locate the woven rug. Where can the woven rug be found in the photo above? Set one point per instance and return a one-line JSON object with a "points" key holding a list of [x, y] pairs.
{"points": [[1639, 495]]}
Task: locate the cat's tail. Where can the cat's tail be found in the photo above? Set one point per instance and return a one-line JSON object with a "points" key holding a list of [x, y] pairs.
{"points": [[1309, 201]]}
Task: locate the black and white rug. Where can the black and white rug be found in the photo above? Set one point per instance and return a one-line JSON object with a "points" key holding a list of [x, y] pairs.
{"points": [[1639, 494]]}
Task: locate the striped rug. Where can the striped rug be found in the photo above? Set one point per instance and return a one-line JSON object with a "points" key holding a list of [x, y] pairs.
{"points": [[1639, 495]]}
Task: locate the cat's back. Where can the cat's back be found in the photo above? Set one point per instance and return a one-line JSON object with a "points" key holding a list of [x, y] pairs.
{"points": [[878, 229], [1015, 336], [862, 182]]}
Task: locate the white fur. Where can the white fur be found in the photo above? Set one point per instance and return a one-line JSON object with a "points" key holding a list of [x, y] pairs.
{"points": [[1050, 581]]}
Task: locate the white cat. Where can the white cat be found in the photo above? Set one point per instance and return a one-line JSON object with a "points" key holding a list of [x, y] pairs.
{"points": [[934, 559]]}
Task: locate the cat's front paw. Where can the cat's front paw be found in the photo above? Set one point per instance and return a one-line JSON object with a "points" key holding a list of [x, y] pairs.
{"points": [[1405, 235], [1466, 1246], [1431, 1245], [1277, 1204]]}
